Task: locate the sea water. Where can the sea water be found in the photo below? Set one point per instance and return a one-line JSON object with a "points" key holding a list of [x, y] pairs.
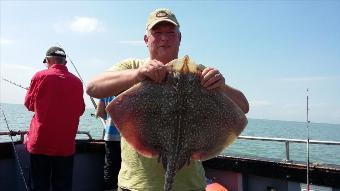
{"points": [[18, 118]]}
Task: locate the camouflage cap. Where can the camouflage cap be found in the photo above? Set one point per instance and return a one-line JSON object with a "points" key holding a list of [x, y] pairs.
{"points": [[160, 15]]}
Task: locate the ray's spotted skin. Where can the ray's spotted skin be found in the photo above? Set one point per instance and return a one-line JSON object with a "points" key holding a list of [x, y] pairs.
{"points": [[178, 120]]}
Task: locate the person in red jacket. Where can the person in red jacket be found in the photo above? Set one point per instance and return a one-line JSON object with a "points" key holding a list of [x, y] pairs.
{"points": [[56, 97]]}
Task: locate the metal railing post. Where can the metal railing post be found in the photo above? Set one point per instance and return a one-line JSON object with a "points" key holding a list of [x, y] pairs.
{"points": [[287, 151]]}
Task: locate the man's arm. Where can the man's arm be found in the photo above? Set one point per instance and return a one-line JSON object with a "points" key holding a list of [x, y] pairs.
{"points": [[211, 78], [114, 82], [237, 96], [101, 112], [31, 94], [111, 83]]}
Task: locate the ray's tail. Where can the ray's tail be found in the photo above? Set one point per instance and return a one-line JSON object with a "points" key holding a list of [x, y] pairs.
{"points": [[172, 165], [170, 174]]}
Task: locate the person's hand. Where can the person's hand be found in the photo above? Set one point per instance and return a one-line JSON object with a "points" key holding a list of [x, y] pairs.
{"points": [[154, 70], [211, 78]]}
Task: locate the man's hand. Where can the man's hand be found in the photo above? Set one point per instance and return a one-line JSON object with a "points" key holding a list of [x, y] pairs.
{"points": [[211, 78], [154, 70]]}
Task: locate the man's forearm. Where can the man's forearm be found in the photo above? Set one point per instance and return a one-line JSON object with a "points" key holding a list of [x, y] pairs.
{"points": [[112, 83], [238, 97], [100, 112]]}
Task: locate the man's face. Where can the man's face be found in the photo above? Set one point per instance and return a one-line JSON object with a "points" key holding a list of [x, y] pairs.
{"points": [[163, 41]]}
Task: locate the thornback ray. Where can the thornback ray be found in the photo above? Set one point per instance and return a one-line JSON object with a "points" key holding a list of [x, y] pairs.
{"points": [[177, 120]]}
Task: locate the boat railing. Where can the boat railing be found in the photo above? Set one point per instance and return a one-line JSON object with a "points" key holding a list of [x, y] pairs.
{"points": [[288, 141], [22, 134], [284, 140]]}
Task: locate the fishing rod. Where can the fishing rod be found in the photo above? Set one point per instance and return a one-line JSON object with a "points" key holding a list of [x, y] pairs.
{"points": [[15, 151], [18, 85], [11, 82], [307, 124], [81, 79]]}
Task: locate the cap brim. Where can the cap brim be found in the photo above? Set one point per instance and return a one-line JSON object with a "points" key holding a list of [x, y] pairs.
{"points": [[45, 59], [152, 24]]}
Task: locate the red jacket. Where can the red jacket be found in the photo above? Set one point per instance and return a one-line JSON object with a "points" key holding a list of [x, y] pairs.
{"points": [[56, 98]]}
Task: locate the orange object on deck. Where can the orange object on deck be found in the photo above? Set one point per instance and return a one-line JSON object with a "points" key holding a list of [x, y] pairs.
{"points": [[215, 187]]}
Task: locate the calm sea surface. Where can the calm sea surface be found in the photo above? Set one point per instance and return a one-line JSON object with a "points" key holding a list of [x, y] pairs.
{"points": [[18, 118]]}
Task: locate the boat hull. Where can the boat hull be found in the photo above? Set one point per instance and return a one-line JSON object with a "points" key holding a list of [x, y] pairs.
{"points": [[236, 173]]}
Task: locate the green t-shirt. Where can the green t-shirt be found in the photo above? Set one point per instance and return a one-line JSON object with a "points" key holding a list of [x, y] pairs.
{"points": [[139, 173]]}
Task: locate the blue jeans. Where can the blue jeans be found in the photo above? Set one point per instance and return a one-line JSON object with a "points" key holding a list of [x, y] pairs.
{"points": [[50, 173]]}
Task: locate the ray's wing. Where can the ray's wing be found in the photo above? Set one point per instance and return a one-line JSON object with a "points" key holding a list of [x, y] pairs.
{"points": [[125, 111]]}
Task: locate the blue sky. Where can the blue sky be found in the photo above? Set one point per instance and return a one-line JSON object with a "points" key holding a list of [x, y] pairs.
{"points": [[271, 50]]}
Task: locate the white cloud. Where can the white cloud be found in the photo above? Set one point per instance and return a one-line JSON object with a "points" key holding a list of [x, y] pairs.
{"points": [[80, 25], [4, 41], [86, 25], [132, 42]]}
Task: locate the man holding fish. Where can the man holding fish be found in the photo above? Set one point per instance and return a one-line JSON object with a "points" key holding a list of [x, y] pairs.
{"points": [[163, 39]]}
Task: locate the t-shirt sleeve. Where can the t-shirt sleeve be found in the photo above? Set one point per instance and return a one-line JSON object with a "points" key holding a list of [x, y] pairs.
{"points": [[126, 64]]}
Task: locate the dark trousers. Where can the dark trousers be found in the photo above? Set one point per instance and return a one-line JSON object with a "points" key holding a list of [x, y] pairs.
{"points": [[112, 164], [50, 173]]}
